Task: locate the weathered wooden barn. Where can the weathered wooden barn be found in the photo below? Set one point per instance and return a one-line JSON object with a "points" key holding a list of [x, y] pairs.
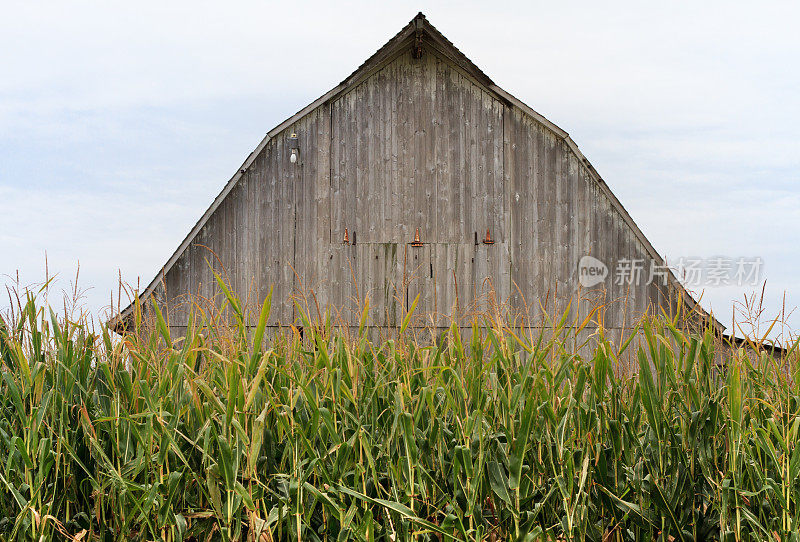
{"points": [[415, 176]]}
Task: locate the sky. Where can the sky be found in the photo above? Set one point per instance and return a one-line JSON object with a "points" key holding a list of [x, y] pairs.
{"points": [[120, 122]]}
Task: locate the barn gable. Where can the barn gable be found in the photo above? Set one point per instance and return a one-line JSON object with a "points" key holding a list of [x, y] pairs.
{"points": [[416, 139]]}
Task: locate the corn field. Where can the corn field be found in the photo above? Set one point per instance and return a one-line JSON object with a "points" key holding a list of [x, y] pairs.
{"points": [[508, 435]]}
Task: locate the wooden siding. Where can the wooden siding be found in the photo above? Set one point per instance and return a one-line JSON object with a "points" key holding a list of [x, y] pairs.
{"points": [[251, 238], [558, 215]]}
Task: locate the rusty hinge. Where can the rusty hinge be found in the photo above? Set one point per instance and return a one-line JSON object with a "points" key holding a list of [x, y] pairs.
{"points": [[416, 242]]}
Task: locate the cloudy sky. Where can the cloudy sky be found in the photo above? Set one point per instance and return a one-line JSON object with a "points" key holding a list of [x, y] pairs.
{"points": [[120, 122]]}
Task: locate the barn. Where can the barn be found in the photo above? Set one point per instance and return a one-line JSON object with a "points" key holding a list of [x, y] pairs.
{"points": [[417, 177]]}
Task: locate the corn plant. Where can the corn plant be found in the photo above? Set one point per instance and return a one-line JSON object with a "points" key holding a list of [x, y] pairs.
{"points": [[233, 431]]}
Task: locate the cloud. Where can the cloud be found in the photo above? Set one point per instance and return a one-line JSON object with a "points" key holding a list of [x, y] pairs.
{"points": [[119, 123]]}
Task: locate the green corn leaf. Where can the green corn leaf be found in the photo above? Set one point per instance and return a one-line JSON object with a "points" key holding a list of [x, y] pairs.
{"points": [[400, 509], [408, 315], [498, 481], [263, 318]]}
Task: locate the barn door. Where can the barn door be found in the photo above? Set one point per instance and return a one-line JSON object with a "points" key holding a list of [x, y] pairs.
{"points": [[366, 271], [469, 279], [418, 279], [458, 280]]}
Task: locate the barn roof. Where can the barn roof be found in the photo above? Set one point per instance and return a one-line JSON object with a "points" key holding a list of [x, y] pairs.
{"points": [[419, 29]]}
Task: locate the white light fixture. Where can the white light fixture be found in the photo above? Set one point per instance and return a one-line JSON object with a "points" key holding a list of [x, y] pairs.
{"points": [[294, 145]]}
